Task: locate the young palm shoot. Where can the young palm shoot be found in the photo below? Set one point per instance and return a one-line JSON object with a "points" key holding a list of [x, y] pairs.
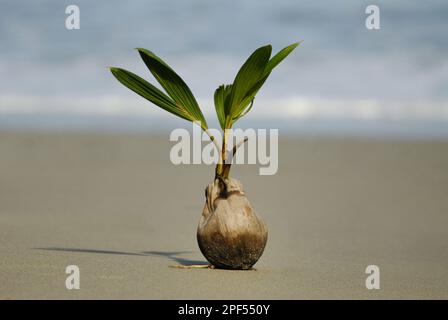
{"points": [[230, 234]]}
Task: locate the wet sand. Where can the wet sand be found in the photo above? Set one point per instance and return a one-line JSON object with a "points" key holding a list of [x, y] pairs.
{"points": [[116, 207]]}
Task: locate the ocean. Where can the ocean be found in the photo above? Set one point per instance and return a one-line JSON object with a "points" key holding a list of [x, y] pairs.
{"points": [[344, 78]]}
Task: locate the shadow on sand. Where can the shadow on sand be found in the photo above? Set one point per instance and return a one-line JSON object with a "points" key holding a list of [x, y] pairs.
{"points": [[171, 255]]}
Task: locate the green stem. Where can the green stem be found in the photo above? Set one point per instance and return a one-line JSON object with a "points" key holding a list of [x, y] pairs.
{"points": [[212, 138], [226, 168]]}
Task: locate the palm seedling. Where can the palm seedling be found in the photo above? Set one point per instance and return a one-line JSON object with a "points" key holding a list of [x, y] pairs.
{"points": [[230, 234]]}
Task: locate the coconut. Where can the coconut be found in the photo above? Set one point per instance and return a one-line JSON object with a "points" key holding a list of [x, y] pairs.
{"points": [[230, 234]]}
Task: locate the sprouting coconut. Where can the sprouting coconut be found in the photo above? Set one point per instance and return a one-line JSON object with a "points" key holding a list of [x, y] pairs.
{"points": [[230, 234]]}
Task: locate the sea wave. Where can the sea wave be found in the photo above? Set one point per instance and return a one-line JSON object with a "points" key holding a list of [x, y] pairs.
{"points": [[295, 107]]}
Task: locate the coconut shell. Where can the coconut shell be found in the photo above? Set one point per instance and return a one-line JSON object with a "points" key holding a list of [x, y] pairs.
{"points": [[230, 234]]}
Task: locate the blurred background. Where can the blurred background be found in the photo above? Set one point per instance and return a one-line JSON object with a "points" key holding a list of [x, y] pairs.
{"points": [[344, 78], [86, 178]]}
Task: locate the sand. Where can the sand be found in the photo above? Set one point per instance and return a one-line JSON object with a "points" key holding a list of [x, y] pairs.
{"points": [[116, 207]]}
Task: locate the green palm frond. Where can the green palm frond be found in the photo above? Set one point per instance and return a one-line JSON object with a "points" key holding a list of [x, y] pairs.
{"points": [[250, 78], [222, 95], [247, 77], [232, 101], [149, 92], [179, 99]]}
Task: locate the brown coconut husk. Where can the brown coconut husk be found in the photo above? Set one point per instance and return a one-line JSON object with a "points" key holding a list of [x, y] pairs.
{"points": [[230, 234]]}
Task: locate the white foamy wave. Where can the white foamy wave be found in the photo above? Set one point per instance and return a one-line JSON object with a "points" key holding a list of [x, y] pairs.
{"points": [[102, 105], [363, 109], [294, 107]]}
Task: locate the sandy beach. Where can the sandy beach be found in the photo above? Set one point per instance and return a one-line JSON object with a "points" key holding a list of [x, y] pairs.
{"points": [[116, 207]]}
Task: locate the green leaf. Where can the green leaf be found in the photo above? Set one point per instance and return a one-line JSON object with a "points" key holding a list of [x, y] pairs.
{"points": [[282, 54], [173, 84], [248, 75], [149, 92], [221, 103], [246, 103], [245, 110]]}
